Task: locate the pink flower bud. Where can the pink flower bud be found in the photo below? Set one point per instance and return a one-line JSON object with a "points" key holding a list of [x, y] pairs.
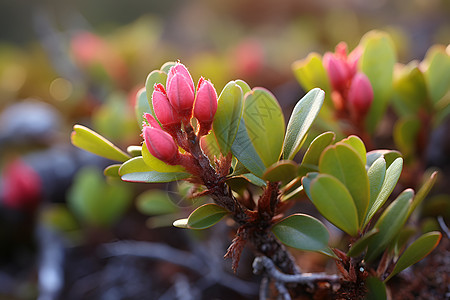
{"points": [[205, 106], [360, 95], [161, 145], [338, 71], [180, 90], [165, 113], [353, 59], [151, 121]]}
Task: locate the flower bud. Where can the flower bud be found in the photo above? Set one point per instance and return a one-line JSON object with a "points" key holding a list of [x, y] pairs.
{"points": [[338, 71], [180, 90], [205, 106], [360, 95], [151, 121], [161, 145], [353, 59], [165, 113]]}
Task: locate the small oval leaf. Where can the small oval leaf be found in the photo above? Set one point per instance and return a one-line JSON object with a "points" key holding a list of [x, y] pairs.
{"points": [[91, 141], [206, 216], [284, 170], [112, 170], [155, 202], [158, 165], [264, 121], [416, 252], [334, 202], [376, 174], [357, 144], [302, 117], [302, 232]]}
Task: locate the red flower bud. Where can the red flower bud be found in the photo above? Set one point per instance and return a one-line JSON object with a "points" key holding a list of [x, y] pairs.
{"points": [[353, 59], [338, 71], [165, 113], [161, 145], [151, 121], [180, 90], [360, 95], [205, 106]]}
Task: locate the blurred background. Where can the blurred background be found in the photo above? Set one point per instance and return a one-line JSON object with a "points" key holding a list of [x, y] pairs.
{"points": [[66, 62]]}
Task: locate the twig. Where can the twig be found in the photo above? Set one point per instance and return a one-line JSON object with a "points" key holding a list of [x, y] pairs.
{"points": [[264, 265]]}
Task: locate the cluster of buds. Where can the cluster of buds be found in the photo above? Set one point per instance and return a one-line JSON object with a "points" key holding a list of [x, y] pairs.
{"points": [[352, 93], [174, 108]]}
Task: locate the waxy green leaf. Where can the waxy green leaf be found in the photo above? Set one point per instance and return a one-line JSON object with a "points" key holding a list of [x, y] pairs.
{"points": [[155, 202], [376, 289], [112, 170], [377, 62], [146, 105], [228, 116], [390, 180], [405, 135], [423, 192], [376, 174], [302, 232], [302, 117], [389, 157], [389, 224], [206, 216], [360, 245], [264, 121], [134, 150], [311, 158], [89, 140], [416, 251], [284, 170], [345, 164], [437, 62], [357, 144], [334, 202]]}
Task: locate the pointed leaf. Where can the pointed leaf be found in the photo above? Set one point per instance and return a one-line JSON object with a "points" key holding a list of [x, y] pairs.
{"points": [[155, 202], [389, 224], [310, 160], [264, 121], [423, 192], [245, 152], [89, 140], [344, 163], [302, 232], [376, 174], [206, 216], [334, 202], [390, 180], [377, 62], [158, 165], [416, 252], [228, 116], [302, 117]]}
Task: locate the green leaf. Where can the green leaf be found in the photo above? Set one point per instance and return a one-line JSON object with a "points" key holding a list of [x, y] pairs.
{"points": [[244, 86], [360, 245], [389, 224], [112, 170], [376, 174], [206, 216], [423, 192], [311, 73], [306, 182], [405, 135], [166, 66], [390, 180], [344, 163], [302, 232], [134, 150], [357, 144], [302, 117], [244, 151], [228, 116], [284, 170], [410, 90], [311, 158], [376, 289], [146, 105], [416, 252], [136, 170], [264, 121], [155, 202], [141, 106], [437, 62], [389, 157], [95, 202], [181, 223], [334, 202], [377, 62], [88, 140], [158, 165]]}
